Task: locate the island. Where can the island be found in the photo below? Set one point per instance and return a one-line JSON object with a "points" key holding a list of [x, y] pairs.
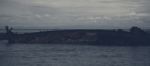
{"points": [[116, 37]]}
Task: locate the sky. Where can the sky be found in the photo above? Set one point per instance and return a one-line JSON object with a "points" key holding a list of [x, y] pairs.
{"points": [[80, 14]]}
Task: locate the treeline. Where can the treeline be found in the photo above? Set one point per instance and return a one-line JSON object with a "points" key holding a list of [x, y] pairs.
{"points": [[135, 36]]}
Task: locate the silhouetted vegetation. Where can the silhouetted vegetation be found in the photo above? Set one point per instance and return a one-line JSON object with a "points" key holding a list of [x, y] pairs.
{"points": [[9, 34], [134, 37]]}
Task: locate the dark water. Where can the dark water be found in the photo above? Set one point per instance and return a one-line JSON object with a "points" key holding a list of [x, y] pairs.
{"points": [[72, 55]]}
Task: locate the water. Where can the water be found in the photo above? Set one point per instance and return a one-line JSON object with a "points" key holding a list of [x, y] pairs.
{"points": [[72, 55]]}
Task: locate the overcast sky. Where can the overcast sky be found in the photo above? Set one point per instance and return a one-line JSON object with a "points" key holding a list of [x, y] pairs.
{"points": [[75, 13]]}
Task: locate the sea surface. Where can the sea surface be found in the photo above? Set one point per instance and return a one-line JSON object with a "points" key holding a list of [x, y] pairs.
{"points": [[72, 55]]}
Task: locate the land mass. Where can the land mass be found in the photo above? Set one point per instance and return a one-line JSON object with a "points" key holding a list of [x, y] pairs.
{"points": [[134, 37]]}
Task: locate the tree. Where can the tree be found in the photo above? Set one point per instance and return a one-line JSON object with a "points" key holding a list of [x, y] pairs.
{"points": [[136, 30], [10, 34]]}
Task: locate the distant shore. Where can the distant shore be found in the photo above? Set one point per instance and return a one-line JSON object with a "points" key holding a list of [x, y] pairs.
{"points": [[133, 36]]}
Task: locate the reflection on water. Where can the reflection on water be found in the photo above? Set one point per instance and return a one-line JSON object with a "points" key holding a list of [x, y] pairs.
{"points": [[72, 55]]}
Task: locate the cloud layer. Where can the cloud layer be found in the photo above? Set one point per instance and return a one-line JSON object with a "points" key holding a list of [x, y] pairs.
{"points": [[75, 13]]}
